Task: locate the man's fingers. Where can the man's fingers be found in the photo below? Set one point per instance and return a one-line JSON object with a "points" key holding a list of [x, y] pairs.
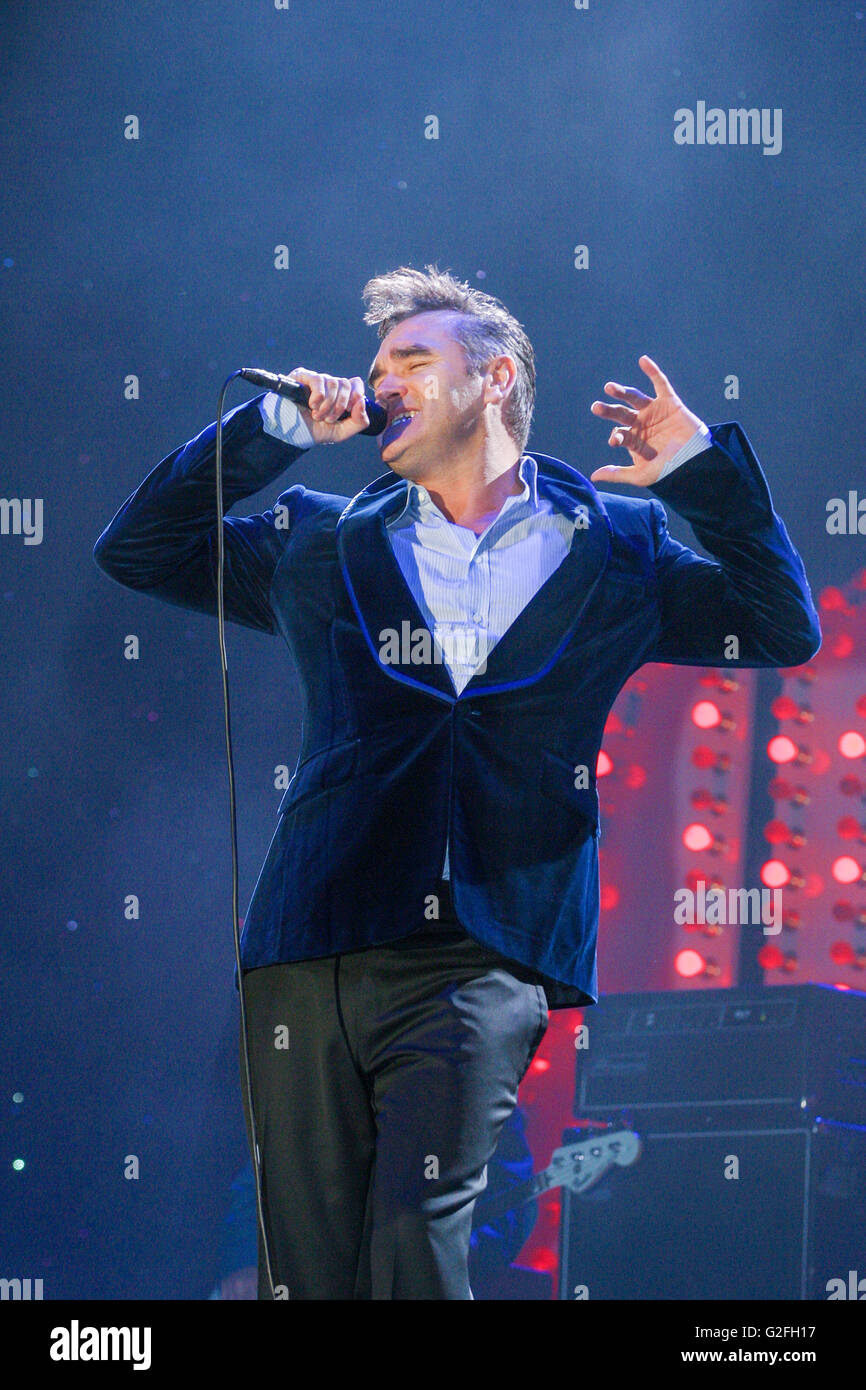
{"points": [[336, 395], [612, 473], [341, 404], [630, 394], [656, 375], [314, 383], [331, 398], [357, 398], [621, 413]]}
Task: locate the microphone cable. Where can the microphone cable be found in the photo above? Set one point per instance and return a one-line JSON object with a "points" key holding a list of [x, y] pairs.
{"points": [[256, 1153], [377, 417]]}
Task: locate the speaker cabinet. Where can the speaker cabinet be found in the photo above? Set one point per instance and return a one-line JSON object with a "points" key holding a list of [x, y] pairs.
{"points": [[757, 1213]]}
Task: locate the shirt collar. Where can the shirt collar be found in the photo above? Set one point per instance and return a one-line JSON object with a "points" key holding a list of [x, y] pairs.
{"points": [[419, 504]]}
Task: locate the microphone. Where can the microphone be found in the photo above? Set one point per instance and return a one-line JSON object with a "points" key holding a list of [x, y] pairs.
{"points": [[294, 391]]}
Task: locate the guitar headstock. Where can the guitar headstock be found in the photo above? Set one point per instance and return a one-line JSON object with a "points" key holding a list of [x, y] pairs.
{"points": [[579, 1166]]}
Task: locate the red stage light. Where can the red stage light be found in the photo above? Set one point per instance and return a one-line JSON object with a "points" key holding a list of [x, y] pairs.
{"points": [[719, 682], [776, 832], [851, 744], [842, 645], [544, 1259], [696, 877], [842, 953], [804, 674], [846, 870], [689, 963], [704, 757], [635, 777], [706, 715], [813, 886], [603, 764], [771, 958], [849, 828], [782, 749], [697, 837], [832, 600], [783, 707], [609, 897], [775, 874], [861, 703]]}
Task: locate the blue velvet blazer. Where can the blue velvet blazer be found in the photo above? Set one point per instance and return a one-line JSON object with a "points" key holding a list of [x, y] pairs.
{"points": [[392, 759]]}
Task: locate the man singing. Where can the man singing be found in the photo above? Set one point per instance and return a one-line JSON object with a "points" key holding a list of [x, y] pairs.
{"points": [[460, 628]]}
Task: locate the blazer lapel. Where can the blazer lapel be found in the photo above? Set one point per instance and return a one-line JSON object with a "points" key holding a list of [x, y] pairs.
{"points": [[385, 605], [541, 631]]}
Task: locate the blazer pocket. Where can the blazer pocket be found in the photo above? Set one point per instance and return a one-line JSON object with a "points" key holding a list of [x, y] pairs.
{"points": [[556, 780], [321, 771]]}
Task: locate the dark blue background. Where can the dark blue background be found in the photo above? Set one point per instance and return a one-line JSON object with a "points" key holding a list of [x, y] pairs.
{"points": [[155, 257]]}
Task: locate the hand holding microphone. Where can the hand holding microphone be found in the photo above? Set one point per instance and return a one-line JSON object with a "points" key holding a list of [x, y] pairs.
{"points": [[333, 407]]}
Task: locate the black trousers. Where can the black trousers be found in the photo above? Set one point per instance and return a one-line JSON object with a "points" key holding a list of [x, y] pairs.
{"points": [[381, 1080]]}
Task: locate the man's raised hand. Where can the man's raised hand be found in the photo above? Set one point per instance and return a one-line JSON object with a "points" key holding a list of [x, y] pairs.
{"points": [[652, 429], [331, 397]]}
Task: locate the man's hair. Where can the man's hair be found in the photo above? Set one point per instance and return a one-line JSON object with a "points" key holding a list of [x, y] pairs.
{"points": [[484, 330]]}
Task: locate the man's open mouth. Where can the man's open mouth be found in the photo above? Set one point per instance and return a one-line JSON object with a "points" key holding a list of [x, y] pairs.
{"points": [[397, 425]]}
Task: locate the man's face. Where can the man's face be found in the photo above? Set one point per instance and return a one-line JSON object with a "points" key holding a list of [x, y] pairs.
{"points": [[420, 371]]}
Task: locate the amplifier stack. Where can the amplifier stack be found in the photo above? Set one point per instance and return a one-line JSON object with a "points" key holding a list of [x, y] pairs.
{"points": [[751, 1182]]}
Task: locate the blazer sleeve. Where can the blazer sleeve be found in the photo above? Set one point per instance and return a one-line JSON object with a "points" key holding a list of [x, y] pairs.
{"points": [[754, 589], [163, 540]]}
